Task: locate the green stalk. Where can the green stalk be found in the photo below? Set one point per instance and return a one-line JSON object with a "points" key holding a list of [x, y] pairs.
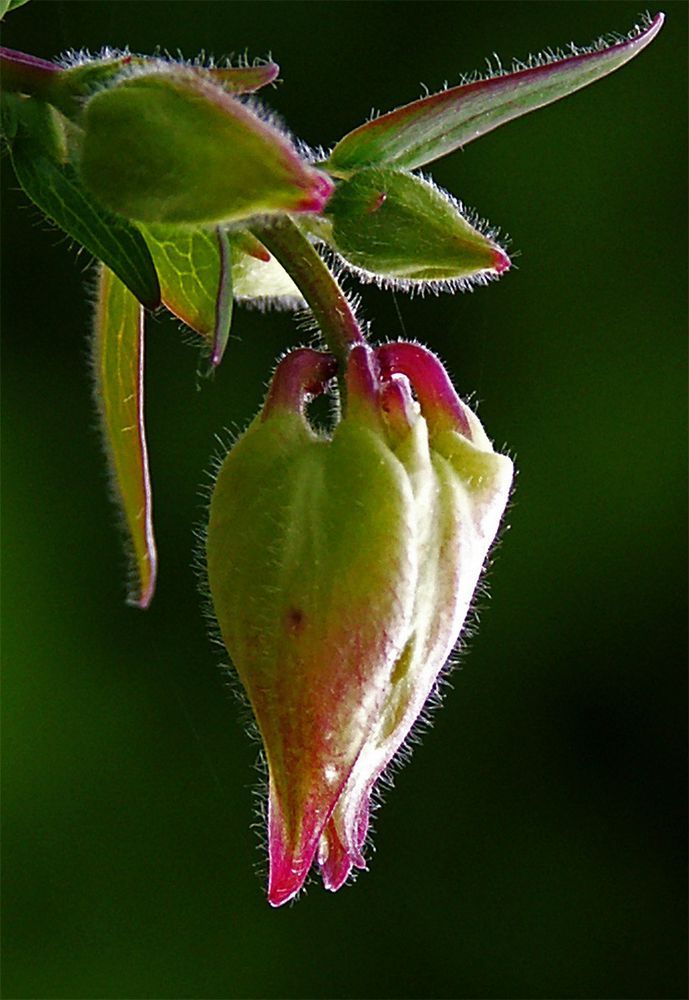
{"points": [[316, 283]]}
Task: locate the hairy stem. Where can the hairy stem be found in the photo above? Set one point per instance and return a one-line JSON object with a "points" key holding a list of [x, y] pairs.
{"points": [[24, 74], [314, 280]]}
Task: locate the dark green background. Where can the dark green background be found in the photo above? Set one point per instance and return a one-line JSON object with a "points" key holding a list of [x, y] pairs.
{"points": [[534, 846]]}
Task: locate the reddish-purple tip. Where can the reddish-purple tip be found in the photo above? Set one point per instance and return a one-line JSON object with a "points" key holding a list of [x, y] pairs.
{"points": [[439, 401], [301, 373], [501, 262], [319, 193]]}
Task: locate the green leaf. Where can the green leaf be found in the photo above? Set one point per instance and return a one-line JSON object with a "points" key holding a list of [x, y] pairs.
{"points": [[195, 271], [56, 189], [118, 368], [223, 300], [189, 267], [172, 147], [427, 129], [7, 5]]}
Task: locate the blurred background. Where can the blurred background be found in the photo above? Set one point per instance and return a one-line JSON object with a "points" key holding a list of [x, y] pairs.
{"points": [[535, 845]]}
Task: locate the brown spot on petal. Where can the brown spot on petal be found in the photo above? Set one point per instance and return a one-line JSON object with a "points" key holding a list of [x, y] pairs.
{"points": [[296, 621]]}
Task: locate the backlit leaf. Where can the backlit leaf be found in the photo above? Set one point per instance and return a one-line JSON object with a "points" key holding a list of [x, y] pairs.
{"points": [[189, 268], [258, 278], [55, 188], [118, 368], [188, 265], [7, 5], [427, 129]]}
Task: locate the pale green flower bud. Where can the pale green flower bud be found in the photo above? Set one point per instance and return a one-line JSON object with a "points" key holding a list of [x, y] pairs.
{"points": [[397, 227], [341, 570]]}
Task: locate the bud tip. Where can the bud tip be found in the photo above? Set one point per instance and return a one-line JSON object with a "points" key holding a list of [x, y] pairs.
{"points": [[318, 195], [501, 262]]}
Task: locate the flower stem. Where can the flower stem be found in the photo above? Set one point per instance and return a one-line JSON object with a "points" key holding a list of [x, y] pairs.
{"points": [[26, 74], [315, 281]]}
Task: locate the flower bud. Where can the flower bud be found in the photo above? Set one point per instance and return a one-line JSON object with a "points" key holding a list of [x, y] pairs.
{"points": [[394, 225], [341, 569], [173, 147]]}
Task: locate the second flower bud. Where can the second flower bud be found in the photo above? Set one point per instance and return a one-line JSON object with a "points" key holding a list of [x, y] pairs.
{"points": [[397, 227]]}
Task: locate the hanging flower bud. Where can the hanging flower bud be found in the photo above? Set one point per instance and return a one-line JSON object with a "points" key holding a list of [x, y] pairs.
{"points": [[397, 227], [174, 147], [341, 570]]}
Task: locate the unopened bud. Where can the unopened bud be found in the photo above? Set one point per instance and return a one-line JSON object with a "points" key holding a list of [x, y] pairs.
{"points": [[341, 570], [394, 225], [173, 147]]}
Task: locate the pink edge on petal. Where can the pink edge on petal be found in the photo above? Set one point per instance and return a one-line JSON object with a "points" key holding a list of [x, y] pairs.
{"points": [[338, 854], [289, 863], [9, 56], [397, 404], [333, 859], [294, 844], [286, 879], [23, 73]]}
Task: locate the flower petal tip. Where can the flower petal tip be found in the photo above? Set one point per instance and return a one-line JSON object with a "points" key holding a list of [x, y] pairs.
{"points": [[287, 876], [279, 895], [333, 860]]}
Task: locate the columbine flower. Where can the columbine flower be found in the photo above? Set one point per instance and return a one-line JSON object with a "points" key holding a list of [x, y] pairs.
{"points": [[341, 569]]}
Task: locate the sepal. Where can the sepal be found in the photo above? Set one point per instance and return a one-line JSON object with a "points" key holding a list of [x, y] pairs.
{"points": [[425, 130]]}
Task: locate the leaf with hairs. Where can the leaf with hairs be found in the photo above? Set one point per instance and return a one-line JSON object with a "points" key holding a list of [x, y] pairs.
{"points": [[197, 289], [118, 367], [434, 126], [54, 186]]}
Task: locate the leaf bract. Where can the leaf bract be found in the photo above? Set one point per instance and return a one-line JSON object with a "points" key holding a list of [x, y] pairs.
{"points": [[119, 368], [434, 126]]}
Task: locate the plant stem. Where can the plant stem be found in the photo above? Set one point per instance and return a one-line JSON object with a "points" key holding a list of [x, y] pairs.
{"points": [[26, 74], [315, 281]]}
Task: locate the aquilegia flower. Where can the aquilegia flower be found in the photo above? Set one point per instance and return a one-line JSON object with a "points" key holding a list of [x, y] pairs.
{"points": [[341, 569]]}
